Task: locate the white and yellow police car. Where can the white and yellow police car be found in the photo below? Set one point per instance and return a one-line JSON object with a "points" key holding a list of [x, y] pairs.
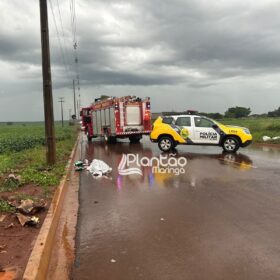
{"points": [[171, 130]]}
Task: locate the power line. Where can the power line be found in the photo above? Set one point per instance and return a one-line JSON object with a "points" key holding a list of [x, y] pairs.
{"points": [[73, 19], [58, 37], [63, 34], [73, 22]]}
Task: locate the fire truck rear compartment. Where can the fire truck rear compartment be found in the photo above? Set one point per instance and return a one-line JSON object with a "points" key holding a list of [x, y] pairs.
{"points": [[133, 115], [123, 117]]}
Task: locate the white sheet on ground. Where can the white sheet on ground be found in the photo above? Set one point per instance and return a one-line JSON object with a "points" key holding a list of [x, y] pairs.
{"points": [[98, 168]]}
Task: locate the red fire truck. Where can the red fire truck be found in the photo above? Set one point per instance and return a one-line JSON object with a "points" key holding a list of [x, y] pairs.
{"points": [[85, 115], [117, 117]]}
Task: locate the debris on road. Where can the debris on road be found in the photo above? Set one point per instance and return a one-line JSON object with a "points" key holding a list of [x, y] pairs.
{"points": [[27, 220], [267, 138], [79, 168], [13, 181], [113, 261], [2, 249], [25, 210], [22, 219], [162, 219], [10, 226], [98, 168], [2, 218], [14, 178], [28, 206], [80, 165]]}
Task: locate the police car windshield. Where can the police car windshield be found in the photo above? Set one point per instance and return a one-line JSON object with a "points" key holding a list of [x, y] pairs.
{"points": [[168, 120], [218, 123], [214, 121]]}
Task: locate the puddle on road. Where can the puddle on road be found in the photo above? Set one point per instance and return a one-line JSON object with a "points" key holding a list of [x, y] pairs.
{"points": [[202, 163], [265, 156], [198, 166], [155, 216]]}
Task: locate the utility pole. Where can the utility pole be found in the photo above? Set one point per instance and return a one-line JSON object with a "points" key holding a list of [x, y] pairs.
{"points": [[47, 85], [61, 100], [78, 109], [74, 91]]}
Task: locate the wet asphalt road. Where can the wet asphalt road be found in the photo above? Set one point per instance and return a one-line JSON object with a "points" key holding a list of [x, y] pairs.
{"points": [[219, 220]]}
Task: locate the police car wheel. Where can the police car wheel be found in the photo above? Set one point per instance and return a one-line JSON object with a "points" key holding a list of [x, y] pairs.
{"points": [[231, 144], [166, 144]]}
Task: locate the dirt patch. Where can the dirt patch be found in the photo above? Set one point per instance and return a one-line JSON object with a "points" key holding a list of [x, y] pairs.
{"points": [[27, 190], [16, 241]]}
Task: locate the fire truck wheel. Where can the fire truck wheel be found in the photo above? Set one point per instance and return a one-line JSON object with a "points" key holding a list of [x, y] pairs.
{"points": [[109, 139], [112, 139], [135, 139], [166, 143], [106, 137]]}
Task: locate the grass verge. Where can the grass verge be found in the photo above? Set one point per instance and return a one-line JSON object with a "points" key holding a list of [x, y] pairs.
{"points": [[5, 207], [30, 165], [259, 127]]}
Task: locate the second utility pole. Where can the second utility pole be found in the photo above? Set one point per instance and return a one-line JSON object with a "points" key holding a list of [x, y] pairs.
{"points": [[74, 91], [47, 85], [61, 100]]}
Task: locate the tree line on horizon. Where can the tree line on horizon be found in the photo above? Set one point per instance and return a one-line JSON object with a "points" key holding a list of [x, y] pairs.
{"points": [[241, 112]]}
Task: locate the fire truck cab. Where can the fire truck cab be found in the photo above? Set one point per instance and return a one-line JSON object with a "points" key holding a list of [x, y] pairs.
{"points": [[85, 114], [119, 117]]}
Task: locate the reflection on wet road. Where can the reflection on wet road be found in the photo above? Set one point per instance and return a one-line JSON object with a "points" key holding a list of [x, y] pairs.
{"points": [[219, 220]]}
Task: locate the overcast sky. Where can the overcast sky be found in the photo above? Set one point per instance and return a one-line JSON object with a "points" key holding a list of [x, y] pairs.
{"points": [[184, 54]]}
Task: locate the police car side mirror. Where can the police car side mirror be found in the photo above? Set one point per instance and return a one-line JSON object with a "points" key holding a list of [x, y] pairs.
{"points": [[215, 126]]}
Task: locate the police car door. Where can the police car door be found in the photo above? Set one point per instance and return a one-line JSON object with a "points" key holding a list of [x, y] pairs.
{"points": [[204, 131], [185, 122]]}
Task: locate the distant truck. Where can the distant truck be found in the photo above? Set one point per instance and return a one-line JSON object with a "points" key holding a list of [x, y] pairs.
{"points": [[117, 117]]}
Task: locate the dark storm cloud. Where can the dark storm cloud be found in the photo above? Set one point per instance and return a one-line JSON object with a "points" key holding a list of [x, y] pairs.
{"points": [[219, 39], [197, 46], [102, 77], [230, 36], [19, 49], [161, 42]]}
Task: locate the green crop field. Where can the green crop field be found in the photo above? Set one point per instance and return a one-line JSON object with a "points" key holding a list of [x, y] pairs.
{"points": [[19, 137], [22, 152], [259, 127]]}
